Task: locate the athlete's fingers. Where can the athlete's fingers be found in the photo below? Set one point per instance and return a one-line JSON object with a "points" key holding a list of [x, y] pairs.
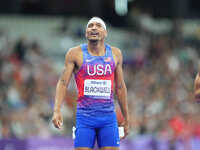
{"points": [[54, 122], [57, 120], [125, 134], [60, 122], [126, 130], [57, 123], [123, 137]]}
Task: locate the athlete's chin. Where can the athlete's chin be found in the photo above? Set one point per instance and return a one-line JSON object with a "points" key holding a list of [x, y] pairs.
{"points": [[93, 40]]}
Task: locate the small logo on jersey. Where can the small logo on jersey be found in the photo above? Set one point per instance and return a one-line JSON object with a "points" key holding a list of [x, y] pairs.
{"points": [[117, 142], [108, 59], [90, 60]]}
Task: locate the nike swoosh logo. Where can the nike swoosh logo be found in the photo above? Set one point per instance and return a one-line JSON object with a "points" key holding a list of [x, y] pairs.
{"points": [[90, 60]]}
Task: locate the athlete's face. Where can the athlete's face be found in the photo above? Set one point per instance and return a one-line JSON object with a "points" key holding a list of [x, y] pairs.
{"points": [[95, 32]]}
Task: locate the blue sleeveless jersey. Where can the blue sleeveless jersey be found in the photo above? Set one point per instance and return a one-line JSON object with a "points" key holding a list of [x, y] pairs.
{"points": [[94, 81]]}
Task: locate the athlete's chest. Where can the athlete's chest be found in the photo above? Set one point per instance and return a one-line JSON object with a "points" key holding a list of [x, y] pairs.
{"points": [[98, 73], [98, 66]]}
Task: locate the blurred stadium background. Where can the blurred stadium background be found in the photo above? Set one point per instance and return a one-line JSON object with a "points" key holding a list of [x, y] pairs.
{"points": [[160, 41]]}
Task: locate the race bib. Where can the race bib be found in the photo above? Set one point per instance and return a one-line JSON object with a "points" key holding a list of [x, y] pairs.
{"points": [[98, 88]]}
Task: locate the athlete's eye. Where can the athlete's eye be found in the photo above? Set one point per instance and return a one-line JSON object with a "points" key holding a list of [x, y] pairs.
{"points": [[90, 25], [98, 25]]}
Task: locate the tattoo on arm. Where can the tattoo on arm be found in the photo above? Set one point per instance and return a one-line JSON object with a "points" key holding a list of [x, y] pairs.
{"points": [[62, 79], [63, 72]]}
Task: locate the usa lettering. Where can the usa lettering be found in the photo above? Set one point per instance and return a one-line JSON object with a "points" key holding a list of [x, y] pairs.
{"points": [[98, 69]]}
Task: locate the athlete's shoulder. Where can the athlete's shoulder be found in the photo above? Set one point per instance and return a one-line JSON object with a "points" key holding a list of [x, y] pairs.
{"points": [[116, 51], [74, 51]]}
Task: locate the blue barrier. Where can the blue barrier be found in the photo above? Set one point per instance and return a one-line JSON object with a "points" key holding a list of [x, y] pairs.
{"points": [[12, 144], [66, 143]]}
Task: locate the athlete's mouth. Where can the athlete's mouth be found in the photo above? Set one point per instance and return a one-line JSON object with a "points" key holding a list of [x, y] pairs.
{"points": [[94, 33]]}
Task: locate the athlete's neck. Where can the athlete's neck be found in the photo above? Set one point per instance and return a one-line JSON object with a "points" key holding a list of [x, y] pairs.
{"points": [[96, 48]]}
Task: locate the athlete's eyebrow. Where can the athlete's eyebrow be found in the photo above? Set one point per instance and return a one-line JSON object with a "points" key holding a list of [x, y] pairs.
{"points": [[90, 25], [98, 24]]}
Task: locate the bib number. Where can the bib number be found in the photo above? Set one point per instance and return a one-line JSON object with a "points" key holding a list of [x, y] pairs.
{"points": [[99, 88]]}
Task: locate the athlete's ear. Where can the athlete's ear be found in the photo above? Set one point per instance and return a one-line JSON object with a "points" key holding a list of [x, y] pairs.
{"points": [[86, 34], [106, 33]]}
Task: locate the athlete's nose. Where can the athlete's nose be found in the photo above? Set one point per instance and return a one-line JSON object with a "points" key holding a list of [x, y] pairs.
{"points": [[94, 27]]}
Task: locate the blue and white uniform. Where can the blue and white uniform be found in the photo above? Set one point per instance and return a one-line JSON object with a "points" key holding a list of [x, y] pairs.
{"points": [[95, 116]]}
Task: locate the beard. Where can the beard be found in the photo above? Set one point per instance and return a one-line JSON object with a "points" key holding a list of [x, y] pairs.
{"points": [[93, 40]]}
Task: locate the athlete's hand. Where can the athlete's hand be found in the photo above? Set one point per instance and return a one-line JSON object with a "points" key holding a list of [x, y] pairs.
{"points": [[57, 119], [125, 124]]}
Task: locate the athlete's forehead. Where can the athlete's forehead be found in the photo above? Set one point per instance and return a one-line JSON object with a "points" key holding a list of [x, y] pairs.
{"points": [[97, 20], [94, 22]]}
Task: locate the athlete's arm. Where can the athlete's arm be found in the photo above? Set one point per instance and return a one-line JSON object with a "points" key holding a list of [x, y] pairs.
{"points": [[197, 88], [121, 91], [61, 88]]}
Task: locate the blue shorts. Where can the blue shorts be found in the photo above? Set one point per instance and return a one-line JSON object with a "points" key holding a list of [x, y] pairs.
{"points": [[104, 129]]}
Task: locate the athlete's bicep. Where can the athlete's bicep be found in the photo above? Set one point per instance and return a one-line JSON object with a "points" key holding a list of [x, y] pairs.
{"points": [[119, 79], [68, 68]]}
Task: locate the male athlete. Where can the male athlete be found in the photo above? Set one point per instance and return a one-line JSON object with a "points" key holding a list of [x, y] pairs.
{"points": [[96, 67]]}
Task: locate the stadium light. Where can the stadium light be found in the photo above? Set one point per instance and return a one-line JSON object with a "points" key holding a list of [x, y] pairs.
{"points": [[121, 7]]}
